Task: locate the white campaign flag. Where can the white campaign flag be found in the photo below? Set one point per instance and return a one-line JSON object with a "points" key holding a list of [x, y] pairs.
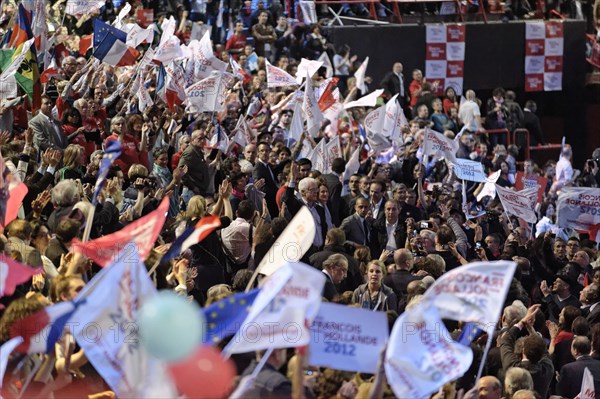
{"points": [[370, 100], [283, 310], [208, 61], [243, 134], [309, 11], [122, 14], [421, 355], [78, 8], [277, 77], [393, 121], [104, 326], [352, 165], [489, 188], [144, 99], [474, 292], [319, 157], [168, 50], [579, 208], [297, 124], [312, 113], [324, 58], [138, 35], [307, 67], [374, 125], [333, 150], [588, 390], [436, 143], [219, 140], [517, 203], [360, 76], [292, 244], [208, 95]]}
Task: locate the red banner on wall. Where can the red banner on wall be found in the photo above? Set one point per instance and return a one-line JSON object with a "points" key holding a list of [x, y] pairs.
{"points": [[544, 49]]}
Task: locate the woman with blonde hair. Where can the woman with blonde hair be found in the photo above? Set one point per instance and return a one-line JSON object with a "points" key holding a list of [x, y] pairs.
{"points": [[74, 161], [375, 295], [207, 259]]}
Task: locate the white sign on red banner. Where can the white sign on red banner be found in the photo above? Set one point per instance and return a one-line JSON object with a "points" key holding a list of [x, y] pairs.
{"points": [[544, 49], [445, 56]]}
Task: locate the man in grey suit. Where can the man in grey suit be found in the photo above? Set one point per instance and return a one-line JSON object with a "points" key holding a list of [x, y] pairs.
{"points": [[47, 131], [357, 226]]}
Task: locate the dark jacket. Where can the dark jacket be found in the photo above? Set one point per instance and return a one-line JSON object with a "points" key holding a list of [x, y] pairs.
{"points": [[353, 278], [542, 372], [379, 237], [197, 177], [270, 383], [398, 281], [571, 376]]}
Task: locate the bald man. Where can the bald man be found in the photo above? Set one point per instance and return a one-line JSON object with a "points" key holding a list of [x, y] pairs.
{"points": [[401, 276], [489, 387]]}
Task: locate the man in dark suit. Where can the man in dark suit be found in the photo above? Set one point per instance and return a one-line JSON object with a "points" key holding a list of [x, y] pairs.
{"points": [[571, 374], [393, 83], [309, 189], [348, 200], [334, 244], [532, 123], [335, 269], [334, 185], [376, 199], [47, 131], [262, 170], [387, 232], [398, 280], [357, 226], [590, 296]]}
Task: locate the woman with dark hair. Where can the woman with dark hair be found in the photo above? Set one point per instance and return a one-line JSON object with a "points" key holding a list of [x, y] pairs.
{"points": [[73, 127], [502, 166], [561, 336], [450, 100]]}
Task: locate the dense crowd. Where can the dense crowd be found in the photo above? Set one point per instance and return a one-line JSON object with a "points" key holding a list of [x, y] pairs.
{"points": [[385, 231]]}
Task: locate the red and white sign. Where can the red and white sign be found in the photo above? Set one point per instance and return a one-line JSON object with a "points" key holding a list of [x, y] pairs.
{"points": [[523, 182], [445, 56], [544, 49]]}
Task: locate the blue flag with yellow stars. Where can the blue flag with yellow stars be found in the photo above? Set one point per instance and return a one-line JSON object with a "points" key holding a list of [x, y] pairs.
{"points": [[101, 29], [224, 318], [469, 332]]}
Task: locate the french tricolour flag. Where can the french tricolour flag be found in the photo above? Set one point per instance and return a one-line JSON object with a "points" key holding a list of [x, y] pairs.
{"points": [[41, 330], [115, 52], [13, 273], [192, 235]]}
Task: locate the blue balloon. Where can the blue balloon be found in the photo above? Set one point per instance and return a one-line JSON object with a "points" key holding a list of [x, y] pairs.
{"points": [[170, 327]]}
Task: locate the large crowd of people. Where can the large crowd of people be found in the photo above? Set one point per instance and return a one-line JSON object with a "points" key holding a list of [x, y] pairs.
{"points": [[384, 233]]}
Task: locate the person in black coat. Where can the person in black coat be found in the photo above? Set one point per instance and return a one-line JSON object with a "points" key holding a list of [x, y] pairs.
{"points": [[334, 185], [399, 279], [334, 244], [335, 269], [393, 83], [263, 170], [571, 374], [532, 123]]}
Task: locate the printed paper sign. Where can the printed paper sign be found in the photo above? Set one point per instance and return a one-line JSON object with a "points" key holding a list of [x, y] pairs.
{"points": [[346, 338]]}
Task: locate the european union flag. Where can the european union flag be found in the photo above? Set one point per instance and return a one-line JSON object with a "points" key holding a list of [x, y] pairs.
{"points": [[105, 46], [101, 29], [225, 317], [468, 334], [111, 153]]}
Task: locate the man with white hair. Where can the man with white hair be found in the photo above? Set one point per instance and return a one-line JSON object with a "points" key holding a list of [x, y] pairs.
{"points": [[308, 189], [564, 170], [469, 113]]}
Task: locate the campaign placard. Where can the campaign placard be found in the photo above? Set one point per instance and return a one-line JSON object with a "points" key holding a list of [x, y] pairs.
{"points": [[346, 338]]}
